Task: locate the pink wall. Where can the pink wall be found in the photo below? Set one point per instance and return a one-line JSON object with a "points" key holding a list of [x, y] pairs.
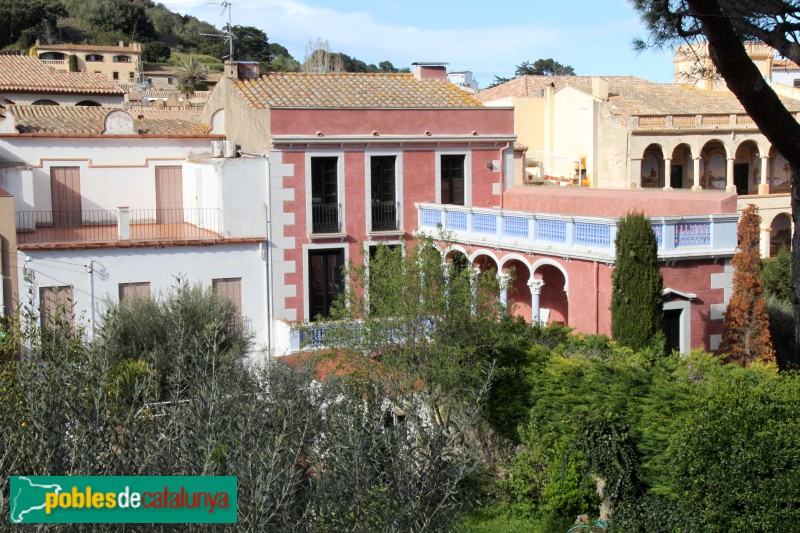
{"points": [[589, 303], [333, 122], [615, 203]]}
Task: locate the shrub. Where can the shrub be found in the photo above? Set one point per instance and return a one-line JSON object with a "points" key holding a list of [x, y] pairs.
{"points": [[636, 300]]}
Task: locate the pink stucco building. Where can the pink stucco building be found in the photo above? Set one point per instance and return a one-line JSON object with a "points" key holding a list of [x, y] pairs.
{"points": [[359, 159]]}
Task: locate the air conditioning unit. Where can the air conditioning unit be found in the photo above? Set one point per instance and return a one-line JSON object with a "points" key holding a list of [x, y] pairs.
{"points": [[229, 149], [216, 148]]}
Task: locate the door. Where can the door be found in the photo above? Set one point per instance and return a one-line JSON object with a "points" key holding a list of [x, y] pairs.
{"points": [[676, 176], [452, 179], [65, 194], [325, 195], [672, 329], [741, 174], [324, 280], [169, 195]]}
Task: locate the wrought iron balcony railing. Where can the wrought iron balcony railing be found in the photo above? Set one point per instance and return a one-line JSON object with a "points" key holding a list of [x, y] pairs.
{"points": [[384, 216], [326, 218]]}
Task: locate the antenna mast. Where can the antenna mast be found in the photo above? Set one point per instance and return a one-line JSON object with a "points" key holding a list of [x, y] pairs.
{"points": [[227, 34]]}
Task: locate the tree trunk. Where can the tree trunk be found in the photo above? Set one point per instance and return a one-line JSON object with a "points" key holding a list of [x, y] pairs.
{"points": [[777, 124]]}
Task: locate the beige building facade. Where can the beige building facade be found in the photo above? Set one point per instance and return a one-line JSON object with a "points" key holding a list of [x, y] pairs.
{"points": [[119, 63]]}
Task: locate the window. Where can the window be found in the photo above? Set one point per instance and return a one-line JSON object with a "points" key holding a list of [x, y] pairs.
{"points": [[796, 82], [170, 81], [94, 57], [44, 102], [325, 280], [130, 291], [325, 215], [56, 307], [121, 59], [383, 193], [230, 288], [115, 75], [131, 76], [452, 179]]}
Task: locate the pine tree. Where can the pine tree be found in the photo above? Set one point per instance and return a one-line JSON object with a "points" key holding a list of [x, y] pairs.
{"points": [[745, 335], [637, 285]]}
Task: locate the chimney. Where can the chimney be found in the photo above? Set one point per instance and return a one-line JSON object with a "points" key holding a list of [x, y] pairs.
{"points": [[248, 70], [429, 70], [599, 88], [122, 44]]}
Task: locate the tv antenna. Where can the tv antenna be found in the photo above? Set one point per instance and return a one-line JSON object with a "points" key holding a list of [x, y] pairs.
{"points": [[227, 34]]}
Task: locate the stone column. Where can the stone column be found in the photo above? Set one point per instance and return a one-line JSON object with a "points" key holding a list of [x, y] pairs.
{"points": [[502, 280], [535, 285], [729, 176], [696, 170], [667, 173], [763, 187]]}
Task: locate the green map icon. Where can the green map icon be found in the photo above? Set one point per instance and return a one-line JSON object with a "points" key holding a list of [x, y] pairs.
{"points": [[28, 499]]}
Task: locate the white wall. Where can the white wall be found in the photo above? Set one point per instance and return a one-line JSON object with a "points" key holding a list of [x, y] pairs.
{"points": [[114, 171], [238, 186], [159, 266], [65, 99], [573, 131]]}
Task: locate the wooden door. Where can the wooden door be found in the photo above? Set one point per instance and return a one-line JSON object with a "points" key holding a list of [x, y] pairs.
{"points": [[169, 195], [65, 194]]}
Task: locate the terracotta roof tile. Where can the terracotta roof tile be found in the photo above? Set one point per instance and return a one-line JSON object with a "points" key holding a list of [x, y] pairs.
{"points": [[351, 90], [91, 120], [28, 74], [667, 99], [632, 96], [88, 48], [529, 86]]}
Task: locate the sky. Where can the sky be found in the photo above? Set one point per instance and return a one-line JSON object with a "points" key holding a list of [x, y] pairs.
{"points": [[487, 37]]}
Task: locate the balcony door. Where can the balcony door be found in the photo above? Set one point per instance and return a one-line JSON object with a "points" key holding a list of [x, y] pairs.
{"points": [[325, 195], [65, 193], [325, 280], [383, 193], [452, 179], [169, 195]]}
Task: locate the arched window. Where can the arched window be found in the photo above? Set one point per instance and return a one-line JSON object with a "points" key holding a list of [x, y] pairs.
{"points": [[88, 103], [122, 59], [94, 57], [44, 102]]}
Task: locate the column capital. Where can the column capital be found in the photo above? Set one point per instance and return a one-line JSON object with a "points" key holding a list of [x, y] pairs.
{"points": [[535, 285]]}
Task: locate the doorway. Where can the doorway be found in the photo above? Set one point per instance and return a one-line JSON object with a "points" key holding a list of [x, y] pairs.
{"points": [[741, 175], [671, 325]]}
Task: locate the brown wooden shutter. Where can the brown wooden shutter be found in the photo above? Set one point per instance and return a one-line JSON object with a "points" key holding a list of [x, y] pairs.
{"points": [[128, 291], [169, 195], [65, 193], [230, 288], [56, 302]]}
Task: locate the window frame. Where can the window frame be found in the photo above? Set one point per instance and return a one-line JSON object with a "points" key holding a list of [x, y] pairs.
{"points": [[467, 174], [340, 179], [398, 186], [307, 249], [135, 285]]}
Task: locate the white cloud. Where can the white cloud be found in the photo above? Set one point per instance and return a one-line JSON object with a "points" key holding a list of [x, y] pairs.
{"points": [[486, 51]]}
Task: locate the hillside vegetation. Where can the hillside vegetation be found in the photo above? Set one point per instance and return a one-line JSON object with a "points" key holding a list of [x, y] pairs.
{"points": [[159, 29]]}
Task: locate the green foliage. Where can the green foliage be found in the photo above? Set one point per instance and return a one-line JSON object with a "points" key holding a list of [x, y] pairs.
{"points": [[73, 63], [307, 455], [25, 20], [155, 52], [636, 301], [159, 337], [544, 67], [122, 18], [776, 274], [781, 330], [191, 74]]}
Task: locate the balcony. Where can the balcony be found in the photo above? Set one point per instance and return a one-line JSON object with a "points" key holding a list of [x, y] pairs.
{"points": [[384, 216], [326, 218], [697, 122], [54, 62], [121, 225], [576, 236]]}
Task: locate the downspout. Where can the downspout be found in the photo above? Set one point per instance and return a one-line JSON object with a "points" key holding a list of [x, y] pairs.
{"points": [[90, 272], [268, 270], [596, 298], [503, 170]]}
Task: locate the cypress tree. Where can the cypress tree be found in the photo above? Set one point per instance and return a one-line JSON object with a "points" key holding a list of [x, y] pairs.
{"points": [[745, 334], [637, 285]]}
